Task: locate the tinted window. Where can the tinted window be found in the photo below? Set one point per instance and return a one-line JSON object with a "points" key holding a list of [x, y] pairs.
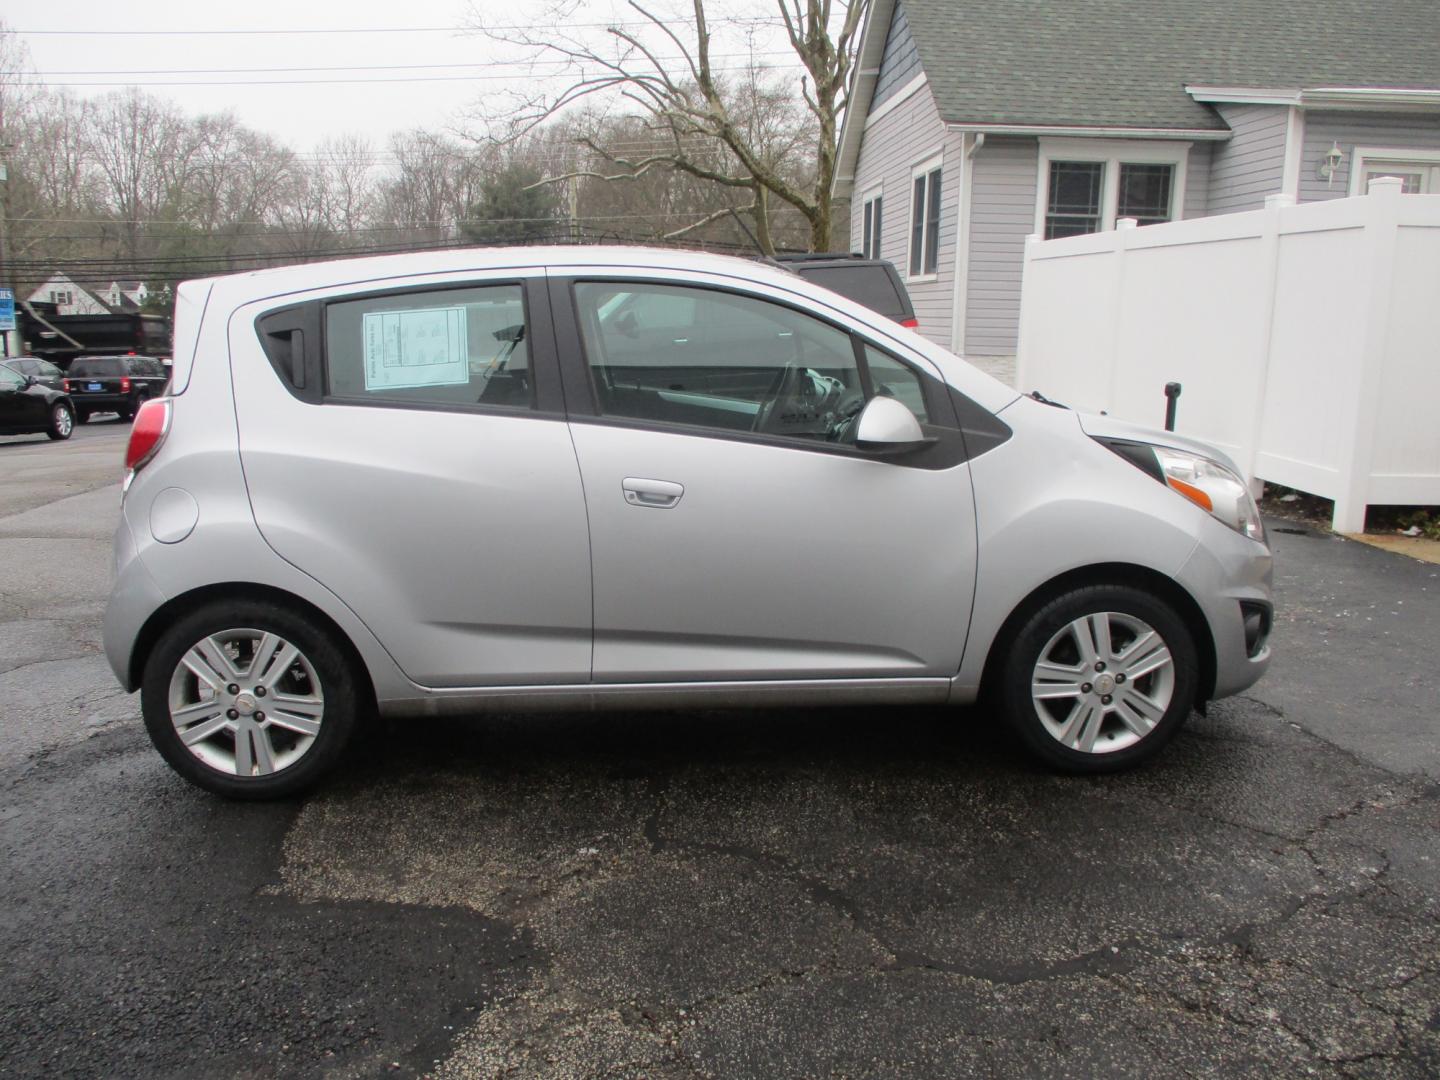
{"points": [[449, 347], [9, 379], [868, 285], [739, 364], [97, 367], [49, 370]]}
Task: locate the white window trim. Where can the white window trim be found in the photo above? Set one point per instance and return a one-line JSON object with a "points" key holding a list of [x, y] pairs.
{"points": [[924, 167], [1113, 153], [1363, 157], [874, 191]]}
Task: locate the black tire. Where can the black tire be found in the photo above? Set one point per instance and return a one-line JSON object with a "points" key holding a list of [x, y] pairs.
{"points": [[62, 421], [127, 411], [342, 684], [1024, 653], [82, 416]]}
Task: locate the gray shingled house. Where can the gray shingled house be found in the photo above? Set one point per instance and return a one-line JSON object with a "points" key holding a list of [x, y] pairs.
{"points": [[975, 125]]}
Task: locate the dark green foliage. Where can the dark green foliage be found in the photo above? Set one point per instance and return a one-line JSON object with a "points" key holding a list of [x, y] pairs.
{"points": [[513, 207]]}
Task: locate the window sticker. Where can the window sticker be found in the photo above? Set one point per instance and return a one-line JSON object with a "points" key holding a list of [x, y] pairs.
{"points": [[420, 347]]}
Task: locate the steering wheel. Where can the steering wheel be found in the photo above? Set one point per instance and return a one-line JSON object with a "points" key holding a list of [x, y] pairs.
{"points": [[782, 387]]}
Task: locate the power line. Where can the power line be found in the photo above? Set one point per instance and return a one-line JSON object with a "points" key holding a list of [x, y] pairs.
{"points": [[527, 64], [508, 77], [618, 25]]}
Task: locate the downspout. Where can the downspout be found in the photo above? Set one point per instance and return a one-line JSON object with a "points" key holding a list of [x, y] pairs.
{"points": [[959, 302]]}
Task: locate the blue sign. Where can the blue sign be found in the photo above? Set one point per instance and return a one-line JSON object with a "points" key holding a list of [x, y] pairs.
{"points": [[7, 309]]}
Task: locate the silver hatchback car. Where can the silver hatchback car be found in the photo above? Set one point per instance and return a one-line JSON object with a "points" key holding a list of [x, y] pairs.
{"points": [[617, 477]]}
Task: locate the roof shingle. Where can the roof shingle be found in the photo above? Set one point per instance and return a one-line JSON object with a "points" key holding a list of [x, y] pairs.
{"points": [[1125, 63]]}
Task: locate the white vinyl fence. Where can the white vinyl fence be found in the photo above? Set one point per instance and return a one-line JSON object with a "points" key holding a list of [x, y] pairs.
{"points": [[1307, 338]]}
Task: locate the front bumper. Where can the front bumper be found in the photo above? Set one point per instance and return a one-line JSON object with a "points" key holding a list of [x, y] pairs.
{"points": [[1230, 577]]}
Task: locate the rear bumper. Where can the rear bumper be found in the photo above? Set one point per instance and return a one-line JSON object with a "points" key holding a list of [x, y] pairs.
{"points": [[133, 600], [1226, 574]]}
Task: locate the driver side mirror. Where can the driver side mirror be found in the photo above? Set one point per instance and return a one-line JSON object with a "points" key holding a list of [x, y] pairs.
{"points": [[887, 426], [30, 380]]}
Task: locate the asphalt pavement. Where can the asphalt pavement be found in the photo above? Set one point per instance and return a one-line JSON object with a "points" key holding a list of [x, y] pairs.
{"points": [[857, 893]]}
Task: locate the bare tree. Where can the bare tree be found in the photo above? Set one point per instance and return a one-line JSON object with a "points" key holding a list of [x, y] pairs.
{"points": [[704, 124]]}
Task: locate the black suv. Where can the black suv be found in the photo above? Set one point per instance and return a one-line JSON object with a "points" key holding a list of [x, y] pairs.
{"points": [[117, 384], [872, 282]]}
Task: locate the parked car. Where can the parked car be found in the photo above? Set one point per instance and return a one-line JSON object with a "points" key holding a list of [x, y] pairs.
{"points": [[118, 384], [27, 407], [872, 282], [605, 477], [42, 371]]}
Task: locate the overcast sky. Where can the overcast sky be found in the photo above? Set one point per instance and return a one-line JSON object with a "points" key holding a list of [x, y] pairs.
{"points": [[302, 115]]}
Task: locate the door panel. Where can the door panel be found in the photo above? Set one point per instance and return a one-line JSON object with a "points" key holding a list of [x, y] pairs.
{"points": [[776, 563], [457, 535]]}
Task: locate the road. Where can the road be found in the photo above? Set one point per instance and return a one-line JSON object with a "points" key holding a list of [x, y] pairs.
{"points": [[861, 893]]}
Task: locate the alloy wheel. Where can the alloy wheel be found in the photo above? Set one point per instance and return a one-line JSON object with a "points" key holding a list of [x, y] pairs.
{"points": [[246, 702], [1103, 682]]}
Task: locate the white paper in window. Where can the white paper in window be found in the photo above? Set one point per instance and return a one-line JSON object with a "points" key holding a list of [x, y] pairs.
{"points": [[420, 347]]}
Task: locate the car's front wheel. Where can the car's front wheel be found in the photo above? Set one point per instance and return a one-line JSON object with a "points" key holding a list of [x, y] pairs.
{"points": [[249, 699], [62, 421], [1100, 678]]}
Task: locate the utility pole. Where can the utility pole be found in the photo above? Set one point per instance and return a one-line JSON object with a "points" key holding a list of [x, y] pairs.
{"points": [[9, 339]]}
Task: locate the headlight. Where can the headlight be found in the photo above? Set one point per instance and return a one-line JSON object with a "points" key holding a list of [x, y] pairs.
{"points": [[1208, 484]]}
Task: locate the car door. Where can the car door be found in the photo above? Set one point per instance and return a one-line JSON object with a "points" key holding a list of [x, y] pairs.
{"points": [[407, 448], [13, 406], [736, 532]]}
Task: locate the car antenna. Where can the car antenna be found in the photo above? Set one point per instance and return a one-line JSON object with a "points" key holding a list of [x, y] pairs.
{"points": [[763, 253]]}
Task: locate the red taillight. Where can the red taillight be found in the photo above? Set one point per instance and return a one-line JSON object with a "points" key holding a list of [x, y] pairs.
{"points": [[912, 324], [124, 384], [67, 385], [152, 424]]}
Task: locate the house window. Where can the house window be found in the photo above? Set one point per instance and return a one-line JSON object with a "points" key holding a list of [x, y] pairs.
{"points": [[870, 228], [1144, 193], [1418, 170], [1086, 185], [1076, 188], [925, 221]]}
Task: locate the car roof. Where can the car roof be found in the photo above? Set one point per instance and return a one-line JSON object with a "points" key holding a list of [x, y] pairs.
{"points": [[312, 274]]}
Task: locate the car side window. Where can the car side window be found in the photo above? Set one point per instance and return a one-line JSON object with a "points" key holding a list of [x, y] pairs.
{"points": [[9, 380], [891, 378], [677, 354], [465, 346]]}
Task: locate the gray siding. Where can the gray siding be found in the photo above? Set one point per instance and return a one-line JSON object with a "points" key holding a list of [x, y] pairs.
{"points": [[1251, 164], [1002, 215], [1352, 129], [892, 147], [1197, 180], [900, 62]]}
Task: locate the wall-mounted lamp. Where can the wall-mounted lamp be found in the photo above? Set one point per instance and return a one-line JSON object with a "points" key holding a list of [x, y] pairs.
{"points": [[1333, 159]]}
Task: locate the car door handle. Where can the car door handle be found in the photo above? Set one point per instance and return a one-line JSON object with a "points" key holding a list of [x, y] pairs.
{"points": [[660, 494]]}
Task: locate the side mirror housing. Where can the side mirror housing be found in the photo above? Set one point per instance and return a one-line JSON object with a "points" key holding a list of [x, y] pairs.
{"points": [[887, 426], [30, 380]]}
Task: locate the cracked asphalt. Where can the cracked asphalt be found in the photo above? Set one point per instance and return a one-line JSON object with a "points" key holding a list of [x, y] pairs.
{"points": [[853, 893]]}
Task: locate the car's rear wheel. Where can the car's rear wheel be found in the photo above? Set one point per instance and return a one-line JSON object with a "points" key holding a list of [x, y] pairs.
{"points": [[249, 699], [82, 416], [62, 421], [1100, 678]]}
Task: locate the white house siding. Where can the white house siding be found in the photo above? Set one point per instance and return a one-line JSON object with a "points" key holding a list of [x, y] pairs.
{"points": [[1351, 129], [893, 145], [901, 60], [1002, 215], [1251, 164]]}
